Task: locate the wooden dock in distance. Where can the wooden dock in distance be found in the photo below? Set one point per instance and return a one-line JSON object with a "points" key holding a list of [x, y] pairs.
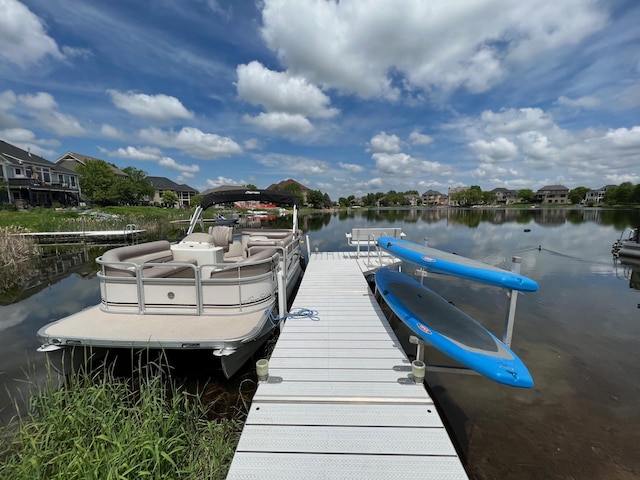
{"points": [[340, 401]]}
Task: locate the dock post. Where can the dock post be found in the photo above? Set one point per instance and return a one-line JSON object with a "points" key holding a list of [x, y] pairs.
{"points": [[510, 316], [282, 298]]}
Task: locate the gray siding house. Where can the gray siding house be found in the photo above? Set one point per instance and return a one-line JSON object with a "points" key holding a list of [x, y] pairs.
{"points": [[30, 180]]}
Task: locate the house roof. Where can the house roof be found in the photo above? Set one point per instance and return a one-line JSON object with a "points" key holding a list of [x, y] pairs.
{"points": [[163, 183], [284, 183], [553, 187], [17, 156], [83, 159]]}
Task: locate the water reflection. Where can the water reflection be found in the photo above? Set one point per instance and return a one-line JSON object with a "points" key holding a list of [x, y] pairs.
{"points": [[577, 334]]}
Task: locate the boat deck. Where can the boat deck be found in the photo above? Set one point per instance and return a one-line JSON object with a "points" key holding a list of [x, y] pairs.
{"points": [[340, 401]]}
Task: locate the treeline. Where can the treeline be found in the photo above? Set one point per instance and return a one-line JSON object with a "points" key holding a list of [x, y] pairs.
{"points": [[99, 183], [624, 194]]}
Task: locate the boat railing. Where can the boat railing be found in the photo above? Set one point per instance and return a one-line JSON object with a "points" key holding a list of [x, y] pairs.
{"points": [[186, 288]]}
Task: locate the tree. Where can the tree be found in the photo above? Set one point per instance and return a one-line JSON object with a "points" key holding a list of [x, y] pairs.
{"points": [[169, 198], [138, 186], [196, 200], [343, 202], [314, 198], [578, 194], [251, 186], [527, 195], [98, 182]]}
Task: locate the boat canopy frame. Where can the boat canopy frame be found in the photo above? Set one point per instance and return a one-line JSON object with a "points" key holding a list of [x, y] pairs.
{"points": [[282, 199]]}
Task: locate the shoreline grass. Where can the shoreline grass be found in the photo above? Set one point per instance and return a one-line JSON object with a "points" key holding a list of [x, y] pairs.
{"points": [[103, 426]]}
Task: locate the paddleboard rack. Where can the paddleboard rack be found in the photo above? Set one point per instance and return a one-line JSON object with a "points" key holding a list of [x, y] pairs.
{"points": [[507, 334]]}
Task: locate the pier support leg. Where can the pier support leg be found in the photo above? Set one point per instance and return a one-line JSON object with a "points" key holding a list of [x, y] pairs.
{"points": [[510, 316]]}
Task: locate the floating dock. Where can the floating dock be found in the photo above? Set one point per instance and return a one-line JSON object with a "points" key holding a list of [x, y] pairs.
{"points": [[340, 400], [101, 237]]}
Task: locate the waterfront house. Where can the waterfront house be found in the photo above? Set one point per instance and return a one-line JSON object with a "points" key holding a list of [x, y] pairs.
{"points": [[597, 196], [30, 180], [163, 184], [552, 194], [505, 196], [431, 198]]}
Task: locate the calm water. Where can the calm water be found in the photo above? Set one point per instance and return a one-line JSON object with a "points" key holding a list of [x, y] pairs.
{"points": [[578, 335]]}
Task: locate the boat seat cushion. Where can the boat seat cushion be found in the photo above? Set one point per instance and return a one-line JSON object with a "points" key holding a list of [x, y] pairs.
{"points": [[245, 267], [150, 252]]}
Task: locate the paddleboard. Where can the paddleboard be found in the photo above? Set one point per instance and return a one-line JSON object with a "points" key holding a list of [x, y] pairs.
{"points": [[438, 261], [450, 330]]}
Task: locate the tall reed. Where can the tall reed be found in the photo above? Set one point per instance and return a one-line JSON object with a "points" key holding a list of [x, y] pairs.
{"points": [[100, 426], [15, 254]]}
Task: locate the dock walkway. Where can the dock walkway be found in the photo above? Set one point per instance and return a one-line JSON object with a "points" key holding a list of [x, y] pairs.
{"points": [[340, 401]]}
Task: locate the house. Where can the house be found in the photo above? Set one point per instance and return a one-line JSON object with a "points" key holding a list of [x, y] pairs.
{"points": [[553, 194], [505, 196], [431, 198], [72, 161], [182, 191], [413, 199], [35, 181], [288, 183], [597, 196], [453, 191]]}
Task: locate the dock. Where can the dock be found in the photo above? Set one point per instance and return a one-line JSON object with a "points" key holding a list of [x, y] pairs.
{"points": [[340, 400], [129, 235]]}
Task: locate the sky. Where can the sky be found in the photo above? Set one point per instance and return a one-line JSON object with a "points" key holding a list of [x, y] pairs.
{"points": [[346, 97]]}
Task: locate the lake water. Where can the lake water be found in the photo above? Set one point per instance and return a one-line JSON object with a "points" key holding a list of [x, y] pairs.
{"points": [[578, 335]]}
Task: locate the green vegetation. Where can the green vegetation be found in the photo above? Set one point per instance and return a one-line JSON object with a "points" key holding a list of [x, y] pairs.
{"points": [[155, 220], [100, 183], [100, 426]]}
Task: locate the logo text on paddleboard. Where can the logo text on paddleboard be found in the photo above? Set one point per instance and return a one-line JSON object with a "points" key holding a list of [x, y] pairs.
{"points": [[424, 329], [428, 259]]}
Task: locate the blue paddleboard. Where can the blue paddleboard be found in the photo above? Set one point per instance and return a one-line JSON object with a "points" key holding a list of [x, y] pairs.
{"points": [[450, 330], [437, 261]]}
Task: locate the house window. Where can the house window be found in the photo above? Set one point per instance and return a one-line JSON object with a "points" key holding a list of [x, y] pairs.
{"points": [[44, 174], [18, 172], [73, 181]]}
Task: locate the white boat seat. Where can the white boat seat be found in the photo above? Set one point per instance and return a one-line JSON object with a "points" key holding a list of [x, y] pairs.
{"points": [[222, 236], [245, 268], [150, 252]]}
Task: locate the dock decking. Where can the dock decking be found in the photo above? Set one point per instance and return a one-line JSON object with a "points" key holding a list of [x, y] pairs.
{"points": [[340, 401]]}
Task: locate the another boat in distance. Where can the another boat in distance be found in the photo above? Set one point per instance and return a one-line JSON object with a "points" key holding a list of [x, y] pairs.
{"points": [[628, 245], [438, 261], [221, 290], [447, 328]]}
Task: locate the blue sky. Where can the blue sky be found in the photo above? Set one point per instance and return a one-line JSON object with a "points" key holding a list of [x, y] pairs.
{"points": [[346, 97]]}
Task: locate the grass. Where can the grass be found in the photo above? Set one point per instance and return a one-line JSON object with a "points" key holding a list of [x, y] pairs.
{"points": [[101, 426], [156, 221]]}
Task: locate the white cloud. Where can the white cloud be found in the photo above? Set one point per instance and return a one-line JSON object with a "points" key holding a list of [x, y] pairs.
{"points": [[498, 150], [582, 102], [220, 181], [383, 143], [281, 123], [43, 107], [159, 108], [134, 153], [296, 165], [39, 101], [281, 92], [417, 138], [351, 167], [23, 39], [27, 140], [153, 154], [110, 131], [366, 49], [198, 144], [625, 138], [170, 163]]}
